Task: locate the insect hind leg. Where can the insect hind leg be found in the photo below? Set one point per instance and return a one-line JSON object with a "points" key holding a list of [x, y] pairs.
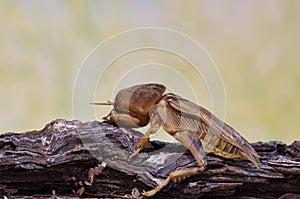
{"points": [[174, 176], [190, 141], [193, 144]]}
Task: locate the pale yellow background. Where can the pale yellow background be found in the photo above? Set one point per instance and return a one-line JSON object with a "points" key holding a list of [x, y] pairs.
{"points": [[255, 45]]}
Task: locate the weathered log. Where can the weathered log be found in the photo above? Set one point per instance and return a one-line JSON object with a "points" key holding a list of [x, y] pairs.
{"points": [[68, 158]]}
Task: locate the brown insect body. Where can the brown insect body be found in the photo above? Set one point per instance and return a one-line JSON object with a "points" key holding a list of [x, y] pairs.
{"points": [[194, 126]]}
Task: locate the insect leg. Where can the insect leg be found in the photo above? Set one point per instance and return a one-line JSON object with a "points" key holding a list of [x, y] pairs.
{"points": [[108, 115], [175, 175], [190, 141], [155, 123]]}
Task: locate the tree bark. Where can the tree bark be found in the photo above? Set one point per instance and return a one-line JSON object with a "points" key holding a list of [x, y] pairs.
{"points": [[75, 159]]}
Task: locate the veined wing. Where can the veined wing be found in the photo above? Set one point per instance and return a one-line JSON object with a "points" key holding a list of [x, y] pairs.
{"points": [[214, 125]]}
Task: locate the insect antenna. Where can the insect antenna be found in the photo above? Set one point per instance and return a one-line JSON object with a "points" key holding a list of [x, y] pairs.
{"points": [[102, 103]]}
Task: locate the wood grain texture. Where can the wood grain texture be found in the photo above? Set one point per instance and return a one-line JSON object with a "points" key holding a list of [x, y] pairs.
{"points": [[56, 161]]}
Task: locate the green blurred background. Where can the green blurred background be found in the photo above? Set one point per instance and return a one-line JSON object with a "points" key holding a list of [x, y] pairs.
{"points": [[255, 45]]}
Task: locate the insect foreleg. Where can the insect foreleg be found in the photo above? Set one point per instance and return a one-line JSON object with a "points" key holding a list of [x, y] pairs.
{"points": [[155, 123]]}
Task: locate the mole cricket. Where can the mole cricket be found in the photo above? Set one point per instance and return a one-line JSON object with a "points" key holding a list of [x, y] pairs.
{"points": [[195, 127]]}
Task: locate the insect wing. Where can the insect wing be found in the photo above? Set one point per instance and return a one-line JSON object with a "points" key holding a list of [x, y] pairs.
{"points": [[213, 124]]}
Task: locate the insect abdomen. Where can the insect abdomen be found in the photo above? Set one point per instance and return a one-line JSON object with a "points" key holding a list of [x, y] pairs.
{"points": [[218, 146]]}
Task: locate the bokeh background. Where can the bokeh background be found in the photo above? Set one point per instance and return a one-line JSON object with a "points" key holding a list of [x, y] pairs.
{"points": [[255, 44]]}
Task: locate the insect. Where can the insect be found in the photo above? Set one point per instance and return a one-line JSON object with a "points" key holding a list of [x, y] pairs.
{"points": [[195, 127]]}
